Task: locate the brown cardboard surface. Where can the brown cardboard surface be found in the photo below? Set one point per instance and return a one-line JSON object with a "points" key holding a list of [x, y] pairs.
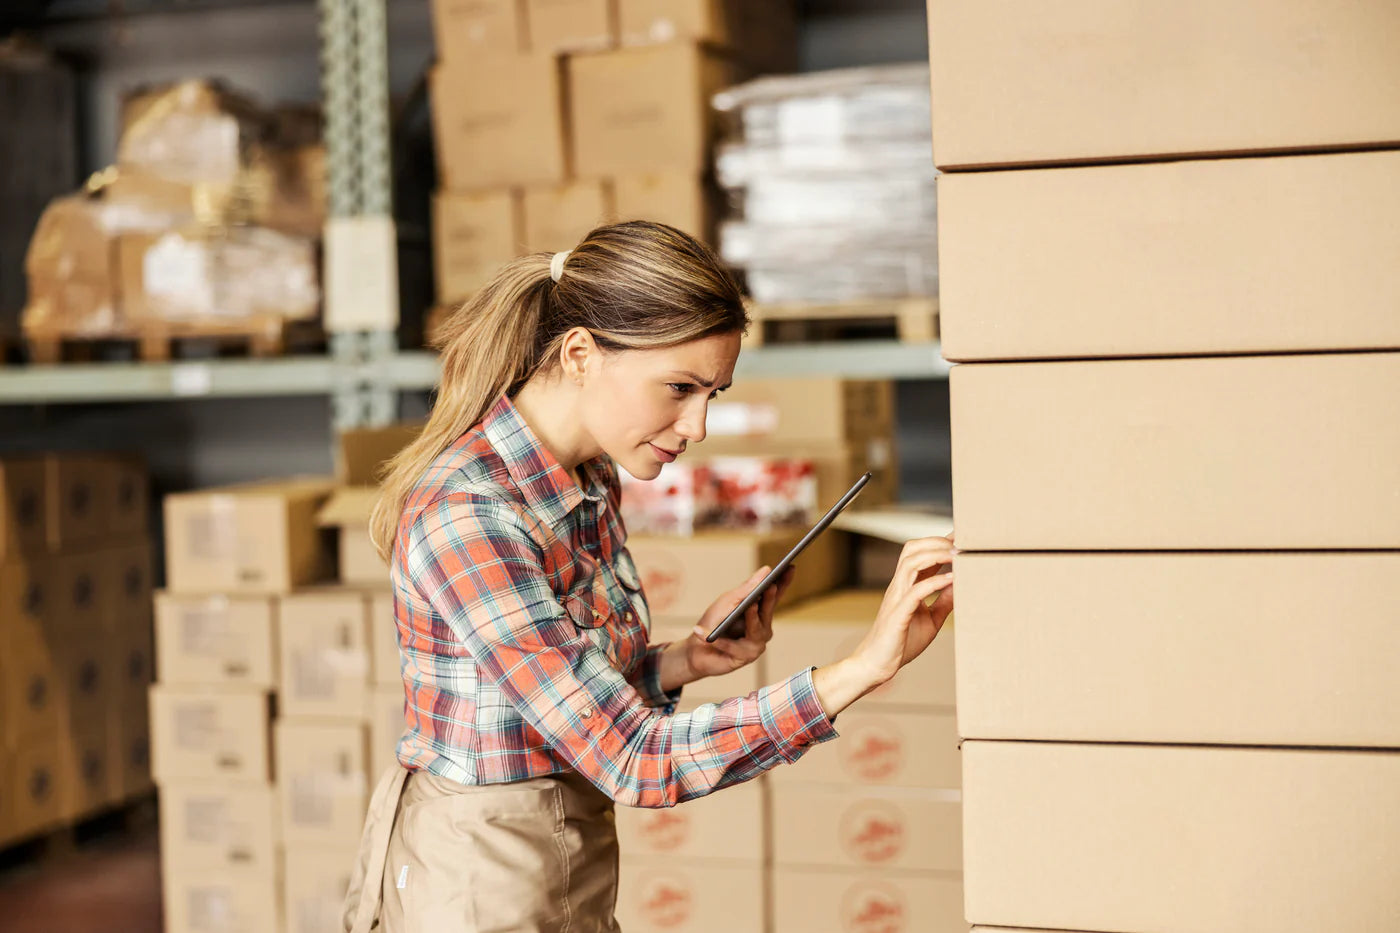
{"points": [[86, 757], [474, 235], [837, 465], [1018, 82], [730, 823], [808, 410], [90, 678], [362, 455], [74, 500], [829, 628], [77, 591], [558, 217], [206, 734], [680, 199], [203, 640], [125, 584], [1200, 648], [133, 661], [23, 507], [129, 738], [321, 784], [683, 576], [571, 25], [644, 109], [219, 900], [384, 712], [835, 825], [315, 880], [384, 641], [258, 538], [214, 824], [124, 490], [27, 597], [740, 683], [763, 32], [39, 781], [884, 747], [856, 901], [323, 653], [1273, 452], [31, 684], [1128, 837], [1043, 263], [691, 896], [499, 122], [466, 30]]}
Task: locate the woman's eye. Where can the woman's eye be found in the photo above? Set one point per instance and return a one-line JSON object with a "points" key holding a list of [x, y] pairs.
{"points": [[682, 387]]}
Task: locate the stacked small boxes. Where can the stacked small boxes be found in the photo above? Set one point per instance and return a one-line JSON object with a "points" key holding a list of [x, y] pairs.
{"points": [[75, 638], [587, 131], [1150, 463]]}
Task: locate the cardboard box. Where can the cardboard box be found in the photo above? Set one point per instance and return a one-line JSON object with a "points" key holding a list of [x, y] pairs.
{"points": [[27, 596], [205, 734], [36, 786], [74, 501], [834, 825], [645, 109], [683, 576], [1042, 263], [125, 584], [124, 491], [31, 685], [214, 824], [315, 882], [385, 713], [822, 631], [739, 683], [361, 457], [204, 900], [86, 756], [1016, 82], [89, 673], [23, 507], [572, 25], [499, 122], [1121, 837], [323, 653], [762, 32], [474, 235], [558, 217], [131, 662], [1036, 668], [256, 538], [321, 782], [77, 592], [883, 747], [360, 268], [466, 30], [864, 901], [1185, 454], [812, 410], [684, 200], [730, 823], [384, 665], [129, 735], [680, 896], [216, 639]]}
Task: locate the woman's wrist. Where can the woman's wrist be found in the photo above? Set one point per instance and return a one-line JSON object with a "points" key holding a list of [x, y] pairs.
{"points": [[676, 671], [840, 684]]}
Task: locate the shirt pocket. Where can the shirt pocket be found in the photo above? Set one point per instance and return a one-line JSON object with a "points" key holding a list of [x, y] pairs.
{"points": [[588, 602]]}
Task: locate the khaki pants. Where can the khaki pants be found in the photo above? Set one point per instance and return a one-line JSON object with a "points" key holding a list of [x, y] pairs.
{"points": [[442, 857]]}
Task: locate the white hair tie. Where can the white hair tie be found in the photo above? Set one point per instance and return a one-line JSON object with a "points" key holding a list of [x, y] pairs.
{"points": [[556, 265]]}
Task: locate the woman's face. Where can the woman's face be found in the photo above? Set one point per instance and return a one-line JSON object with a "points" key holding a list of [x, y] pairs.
{"points": [[645, 406]]}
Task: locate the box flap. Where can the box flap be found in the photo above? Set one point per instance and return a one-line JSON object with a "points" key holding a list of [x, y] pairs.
{"points": [[349, 505], [362, 452], [897, 525]]}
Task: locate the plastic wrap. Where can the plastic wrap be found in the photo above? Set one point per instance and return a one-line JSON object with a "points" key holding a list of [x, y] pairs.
{"points": [[191, 131]]}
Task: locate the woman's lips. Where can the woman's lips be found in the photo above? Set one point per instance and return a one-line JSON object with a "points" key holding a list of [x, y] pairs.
{"points": [[666, 456]]}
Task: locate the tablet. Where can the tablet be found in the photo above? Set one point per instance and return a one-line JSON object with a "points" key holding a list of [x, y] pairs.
{"points": [[736, 618]]}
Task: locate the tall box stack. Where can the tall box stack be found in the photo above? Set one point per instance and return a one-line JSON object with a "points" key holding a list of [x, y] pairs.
{"points": [[605, 116], [1146, 472], [75, 638]]}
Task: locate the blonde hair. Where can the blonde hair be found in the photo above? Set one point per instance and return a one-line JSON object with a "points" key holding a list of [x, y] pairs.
{"points": [[633, 285]]}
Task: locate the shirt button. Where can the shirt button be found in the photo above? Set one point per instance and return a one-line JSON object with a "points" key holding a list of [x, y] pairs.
{"points": [[586, 713]]}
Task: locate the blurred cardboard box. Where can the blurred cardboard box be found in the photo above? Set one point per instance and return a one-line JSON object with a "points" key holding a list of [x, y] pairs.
{"points": [[487, 138], [89, 672], [385, 665], [27, 597], [36, 785], [314, 884], [129, 737], [1122, 235], [385, 714], [680, 501], [558, 217], [255, 538], [1180, 454], [1120, 837], [125, 584], [756, 493], [572, 25], [124, 491], [196, 130], [835, 825], [884, 747], [731, 823], [201, 900], [204, 734], [1030, 667], [810, 410], [683, 576], [474, 235], [321, 785], [467, 30], [23, 507], [31, 684], [739, 683], [323, 653], [762, 32], [204, 640], [86, 756], [77, 592], [132, 662], [681, 896], [856, 901], [681, 199], [361, 457], [215, 824], [1061, 70], [645, 109], [74, 501], [71, 266], [829, 628]]}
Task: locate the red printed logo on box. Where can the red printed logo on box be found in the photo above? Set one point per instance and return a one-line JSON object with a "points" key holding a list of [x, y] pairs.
{"points": [[875, 752], [872, 831], [872, 907], [665, 830], [662, 575], [667, 901]]}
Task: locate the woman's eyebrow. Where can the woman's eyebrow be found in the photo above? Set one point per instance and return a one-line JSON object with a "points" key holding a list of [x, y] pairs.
{"points": [[704, 382]]}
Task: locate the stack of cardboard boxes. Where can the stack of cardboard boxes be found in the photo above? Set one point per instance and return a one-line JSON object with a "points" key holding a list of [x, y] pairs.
{"points": [[75, 638], [1175, 459], [552, 116]]}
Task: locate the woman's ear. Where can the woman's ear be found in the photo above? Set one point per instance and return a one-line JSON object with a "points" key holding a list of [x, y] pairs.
{"points": [[577, 353]]}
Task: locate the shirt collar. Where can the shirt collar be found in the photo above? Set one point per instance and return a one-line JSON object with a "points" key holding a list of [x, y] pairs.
{"points": [[548, 489]]}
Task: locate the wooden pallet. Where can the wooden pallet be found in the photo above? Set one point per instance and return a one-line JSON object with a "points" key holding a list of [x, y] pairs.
{"points": [[58, 842], [154, 343], [909, 320]]}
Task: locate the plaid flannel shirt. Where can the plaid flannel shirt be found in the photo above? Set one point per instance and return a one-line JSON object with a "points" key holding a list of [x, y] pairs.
{"points": [[523, 628]]}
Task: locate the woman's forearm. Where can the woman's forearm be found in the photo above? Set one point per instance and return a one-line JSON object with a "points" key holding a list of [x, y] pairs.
{"points": [[675, 668]]}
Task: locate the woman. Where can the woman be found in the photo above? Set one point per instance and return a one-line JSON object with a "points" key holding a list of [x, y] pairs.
{"points": [[534, 701]]}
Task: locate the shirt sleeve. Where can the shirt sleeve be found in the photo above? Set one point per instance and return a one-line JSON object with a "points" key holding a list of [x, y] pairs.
{"points": [[646, 679], [474, 561]]}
